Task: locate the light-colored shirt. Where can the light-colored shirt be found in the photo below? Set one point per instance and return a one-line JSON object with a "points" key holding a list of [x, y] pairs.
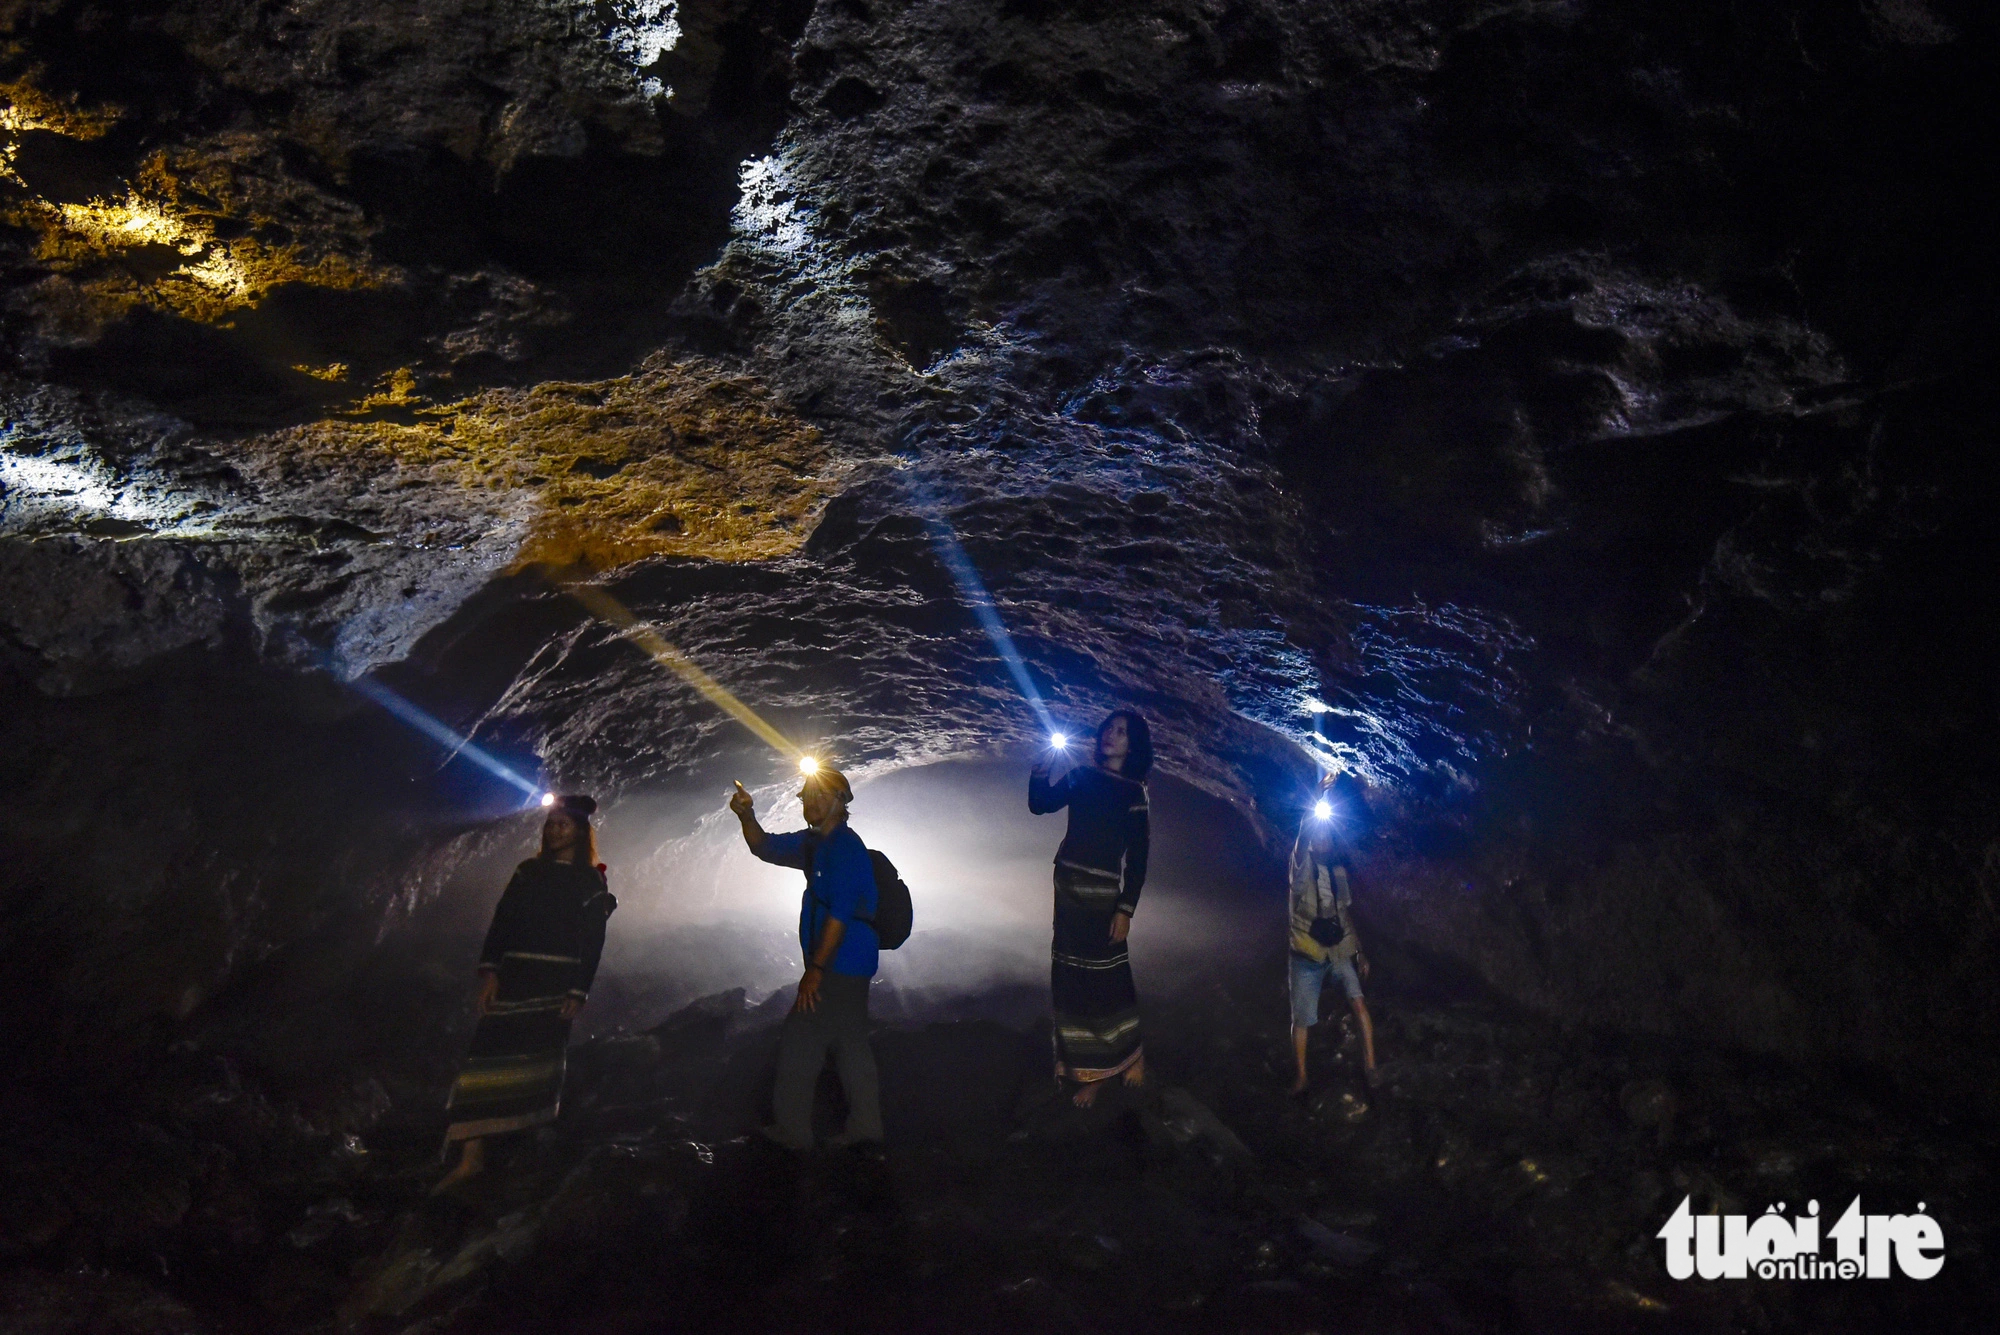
{"points": [[1320, 891]]}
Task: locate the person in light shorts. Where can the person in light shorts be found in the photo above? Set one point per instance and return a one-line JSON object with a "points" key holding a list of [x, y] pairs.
{"points": [[1310, 978], [1324, 945]]}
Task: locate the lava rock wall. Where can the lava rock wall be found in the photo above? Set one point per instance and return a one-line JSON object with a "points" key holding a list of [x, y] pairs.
{"points": [[1584, 403]]}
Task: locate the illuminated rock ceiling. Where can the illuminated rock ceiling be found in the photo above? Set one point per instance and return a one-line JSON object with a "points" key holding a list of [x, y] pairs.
{"points": [[1573, 399]]}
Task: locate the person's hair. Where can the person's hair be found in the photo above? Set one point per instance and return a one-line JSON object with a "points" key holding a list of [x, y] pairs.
{"points": [[588, 836], [1138, 760]]}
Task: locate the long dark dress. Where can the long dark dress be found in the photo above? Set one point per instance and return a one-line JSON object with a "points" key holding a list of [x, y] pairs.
{"points": [[1100, 869], [545, 942]]}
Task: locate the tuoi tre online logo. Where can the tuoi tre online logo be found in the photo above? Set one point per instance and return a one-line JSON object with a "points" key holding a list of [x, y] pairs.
{"points": [[1773, 1247]]}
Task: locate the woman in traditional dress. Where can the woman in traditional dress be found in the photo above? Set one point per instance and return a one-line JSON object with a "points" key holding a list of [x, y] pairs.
{"points": [[1100, 869], [535, 973]]}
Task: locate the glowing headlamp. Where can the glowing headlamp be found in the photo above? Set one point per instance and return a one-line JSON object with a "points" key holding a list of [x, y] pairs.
{"points": [[808, 765], [1058, 740], [1322, 810], [548, 799]]}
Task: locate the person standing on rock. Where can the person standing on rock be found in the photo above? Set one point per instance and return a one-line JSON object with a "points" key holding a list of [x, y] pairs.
{"points": [[1100, 869], [837, 934], [535, 972], [1323, 940]]}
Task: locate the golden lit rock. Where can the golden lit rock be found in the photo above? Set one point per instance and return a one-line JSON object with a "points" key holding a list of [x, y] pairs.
{"points": [[24, 107], [201, 232], [676, 459], [332, 372]]}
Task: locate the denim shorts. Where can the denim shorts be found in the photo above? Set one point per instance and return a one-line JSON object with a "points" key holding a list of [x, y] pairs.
{"points": [[1309, 976]]}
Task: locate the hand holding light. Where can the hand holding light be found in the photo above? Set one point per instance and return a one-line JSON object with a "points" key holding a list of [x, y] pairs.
{"points": [[1058, 747]]}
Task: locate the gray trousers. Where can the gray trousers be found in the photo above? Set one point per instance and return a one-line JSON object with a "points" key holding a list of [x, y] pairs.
{"points": [[840, 1022]]}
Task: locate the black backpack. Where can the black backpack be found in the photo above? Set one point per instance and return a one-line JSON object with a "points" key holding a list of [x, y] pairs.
{"points": [[894, 914]]}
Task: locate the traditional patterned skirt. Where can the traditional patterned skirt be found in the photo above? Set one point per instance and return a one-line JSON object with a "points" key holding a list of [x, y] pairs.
{"points": [[1090, 980], [513, 1076]]}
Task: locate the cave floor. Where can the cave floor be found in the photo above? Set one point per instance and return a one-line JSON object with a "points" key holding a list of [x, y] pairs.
{"points": [[1506, 1176]]}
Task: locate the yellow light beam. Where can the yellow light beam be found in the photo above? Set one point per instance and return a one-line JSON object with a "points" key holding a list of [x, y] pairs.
{"points": [[609, 610]]}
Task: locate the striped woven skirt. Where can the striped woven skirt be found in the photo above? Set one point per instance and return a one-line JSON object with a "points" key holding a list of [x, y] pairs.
{"points": [[513, 1077], [1090, 980]]}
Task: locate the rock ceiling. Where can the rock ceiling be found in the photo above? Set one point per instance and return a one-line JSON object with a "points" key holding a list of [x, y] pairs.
{"points": [[1566, 395]]}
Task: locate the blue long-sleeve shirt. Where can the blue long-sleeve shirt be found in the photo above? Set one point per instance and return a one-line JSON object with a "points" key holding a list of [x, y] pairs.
{"points": [[1109, 830], [840, 883]]}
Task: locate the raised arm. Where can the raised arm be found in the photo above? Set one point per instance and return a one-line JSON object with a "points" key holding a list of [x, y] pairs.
{"points": [[1293, 867], [745, 807], [1045, 794]]}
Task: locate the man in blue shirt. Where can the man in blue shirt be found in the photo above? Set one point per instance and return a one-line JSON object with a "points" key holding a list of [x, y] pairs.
{"points": [[837, 934]]}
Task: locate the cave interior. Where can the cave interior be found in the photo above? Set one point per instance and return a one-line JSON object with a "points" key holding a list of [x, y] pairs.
{"points": [[1560, 419]]}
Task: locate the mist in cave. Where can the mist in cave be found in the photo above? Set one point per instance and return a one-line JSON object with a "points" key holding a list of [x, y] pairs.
{"points": [[698, 915], [1566, 425]]}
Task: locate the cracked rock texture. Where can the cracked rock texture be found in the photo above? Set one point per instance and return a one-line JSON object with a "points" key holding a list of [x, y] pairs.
{"points": [[1584, 405]]}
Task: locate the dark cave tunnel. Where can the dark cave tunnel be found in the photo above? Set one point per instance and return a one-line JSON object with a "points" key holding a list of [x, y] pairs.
{"points": [[1567, 423]]}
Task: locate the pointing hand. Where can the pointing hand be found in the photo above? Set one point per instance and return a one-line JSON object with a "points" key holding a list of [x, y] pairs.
{"points": [[741, 802]]}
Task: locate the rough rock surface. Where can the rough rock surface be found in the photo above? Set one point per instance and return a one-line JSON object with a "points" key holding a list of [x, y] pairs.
{"points": [[1582, 404]]}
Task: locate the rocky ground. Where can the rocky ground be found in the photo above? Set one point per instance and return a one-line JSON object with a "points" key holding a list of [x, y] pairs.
{"points": [[1571, 418], [1507, 1176]]}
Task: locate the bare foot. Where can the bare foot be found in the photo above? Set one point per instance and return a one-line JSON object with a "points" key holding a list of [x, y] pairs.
{"points": [[456, 1178], [471, 1162], [1086, 1094], [1135, 1074]]}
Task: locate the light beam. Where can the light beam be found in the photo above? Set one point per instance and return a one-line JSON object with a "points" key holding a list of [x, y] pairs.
{"points": [[953, 554], [608, 609], [455, 742]]}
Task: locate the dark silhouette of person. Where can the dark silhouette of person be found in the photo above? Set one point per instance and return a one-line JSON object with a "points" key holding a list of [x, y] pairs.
{"points": [[1324, 944], [837, 934], [535, 972], [1100, 870]]}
